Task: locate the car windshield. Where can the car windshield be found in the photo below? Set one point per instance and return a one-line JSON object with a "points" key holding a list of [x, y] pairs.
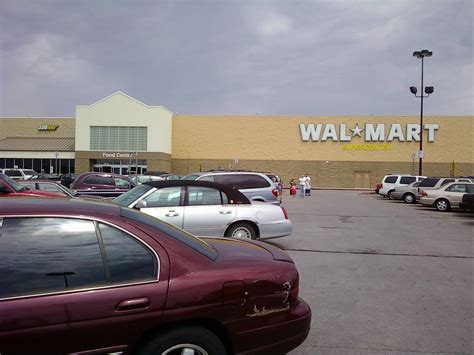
{"points": [[29, 172], [190, 177], [69, 191], [15, 186], [128, 197]]}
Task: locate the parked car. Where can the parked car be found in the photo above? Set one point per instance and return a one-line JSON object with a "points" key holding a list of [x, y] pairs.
{"points": [[446, 197], [52, 186], [206, 208], [406, 193], [256, 186], [52, 177], [140, 179], [73, 268], [434, 183], [12, 188], [171, 177], [467, 202], [18, 174], [102, 184], [390, 182]]}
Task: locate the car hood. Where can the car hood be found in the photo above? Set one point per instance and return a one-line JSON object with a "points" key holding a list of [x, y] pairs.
{"points": [[234, 250]]}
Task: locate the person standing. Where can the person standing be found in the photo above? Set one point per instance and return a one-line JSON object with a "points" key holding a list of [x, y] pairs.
{"points": [[302, 183], [308, 185], [293, 188]]}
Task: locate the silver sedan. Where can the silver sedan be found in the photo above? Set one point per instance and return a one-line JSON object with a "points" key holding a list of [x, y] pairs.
{"points": [[408, 193], [208, 209]]}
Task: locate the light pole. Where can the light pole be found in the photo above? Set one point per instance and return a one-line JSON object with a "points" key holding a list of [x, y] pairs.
{"points": [[428, 90]]}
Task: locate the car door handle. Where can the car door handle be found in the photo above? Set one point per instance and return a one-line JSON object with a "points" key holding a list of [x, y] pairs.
{"points": [[133, 303], [225, 212], [172, 213]]}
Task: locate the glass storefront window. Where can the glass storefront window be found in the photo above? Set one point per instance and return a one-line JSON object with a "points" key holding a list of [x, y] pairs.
{"points": [[9, 163], [2, 163], [28, 163]]}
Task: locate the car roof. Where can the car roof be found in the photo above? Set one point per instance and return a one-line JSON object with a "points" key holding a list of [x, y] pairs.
{"points": [[232, 193], [56, 206]]}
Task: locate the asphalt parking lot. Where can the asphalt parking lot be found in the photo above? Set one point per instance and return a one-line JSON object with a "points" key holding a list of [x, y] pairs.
{"points": [[382, 276]]}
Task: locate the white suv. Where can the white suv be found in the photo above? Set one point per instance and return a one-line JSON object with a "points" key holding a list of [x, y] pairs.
{"points": [[390, 182], [18, 174]]}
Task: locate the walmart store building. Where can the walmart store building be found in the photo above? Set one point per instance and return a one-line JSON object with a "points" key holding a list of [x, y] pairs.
{"points": [[123, 135]]}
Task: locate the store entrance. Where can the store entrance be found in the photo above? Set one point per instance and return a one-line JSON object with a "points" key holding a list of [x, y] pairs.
{"points": [[119, 167]]}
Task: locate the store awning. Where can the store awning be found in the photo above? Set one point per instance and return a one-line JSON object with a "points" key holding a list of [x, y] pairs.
{"points": [[28, 144]]}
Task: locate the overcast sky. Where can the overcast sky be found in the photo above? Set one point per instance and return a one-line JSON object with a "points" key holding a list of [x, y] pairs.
{"points": [[236, 57]]}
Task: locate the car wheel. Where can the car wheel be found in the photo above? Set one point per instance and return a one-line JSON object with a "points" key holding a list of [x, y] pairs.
{"points": [[241, 230], [409, 198], [389, 194], [188, 340], [442, 205]]}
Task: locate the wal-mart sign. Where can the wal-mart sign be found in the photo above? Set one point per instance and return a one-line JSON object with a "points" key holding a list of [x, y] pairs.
{"points": [[371, 132]]}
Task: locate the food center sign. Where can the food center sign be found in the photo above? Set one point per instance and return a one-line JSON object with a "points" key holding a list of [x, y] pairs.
{"points": [[371, 132]]}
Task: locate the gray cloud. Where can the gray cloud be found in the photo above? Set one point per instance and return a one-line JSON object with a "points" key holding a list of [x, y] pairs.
{"points": [[236, 57]]}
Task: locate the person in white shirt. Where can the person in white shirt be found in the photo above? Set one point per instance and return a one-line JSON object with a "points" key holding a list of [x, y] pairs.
{"points": [[308, 185], [302, 184]]}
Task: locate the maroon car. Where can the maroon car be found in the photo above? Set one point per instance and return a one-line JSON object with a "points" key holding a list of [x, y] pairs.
{"points": [[87, 277], [11, 188], [102, 184]]}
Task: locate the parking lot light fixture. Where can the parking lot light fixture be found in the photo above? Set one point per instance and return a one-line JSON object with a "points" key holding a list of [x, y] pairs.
{"points": [[428, 91]]}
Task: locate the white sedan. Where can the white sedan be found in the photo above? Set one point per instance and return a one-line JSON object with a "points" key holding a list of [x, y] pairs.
{"points": [[208, 209]]}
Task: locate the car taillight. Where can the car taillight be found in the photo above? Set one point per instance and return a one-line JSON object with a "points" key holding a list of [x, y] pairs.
{"points": [[275, 192], [295, 290], [284, 212], [424, 193]]}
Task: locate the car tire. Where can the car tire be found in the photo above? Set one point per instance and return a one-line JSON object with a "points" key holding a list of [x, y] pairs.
{"points": [[409, 198], [241, 230], [389, 194], [442, 205], [201, 340]]}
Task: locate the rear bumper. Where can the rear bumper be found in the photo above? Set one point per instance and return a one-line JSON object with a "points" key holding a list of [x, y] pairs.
{"points": [[287, 331], [275, 230]]}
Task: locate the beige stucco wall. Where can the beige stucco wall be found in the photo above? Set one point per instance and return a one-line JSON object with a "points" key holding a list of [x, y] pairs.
{"points": [[120, 109], [28, 127], [278, 138]]}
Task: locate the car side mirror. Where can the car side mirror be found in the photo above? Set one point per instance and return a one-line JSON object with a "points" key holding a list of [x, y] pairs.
{"points": [[140, 204]]}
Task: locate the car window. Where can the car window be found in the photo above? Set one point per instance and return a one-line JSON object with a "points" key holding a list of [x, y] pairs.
{"points": [[99, 180], [41, 255], [207, 178], [29, 172], [457, 188], [391, 179], [430, 182], [51, 188], [30, 185], [470, 188], [166, 197], [447, 181], [127, 259], [127, 198], [191, 177], [198, 196], [15, 173], [121, 182], [464, 180], [407, 179]]}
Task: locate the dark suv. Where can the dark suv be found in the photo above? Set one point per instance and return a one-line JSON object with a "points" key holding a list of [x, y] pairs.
{"points": [[102, 184]]}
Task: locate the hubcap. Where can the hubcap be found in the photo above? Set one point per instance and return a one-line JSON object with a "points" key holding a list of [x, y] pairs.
{"points": [[409, 198], [185, 349], [242, 233], [442, 206]]}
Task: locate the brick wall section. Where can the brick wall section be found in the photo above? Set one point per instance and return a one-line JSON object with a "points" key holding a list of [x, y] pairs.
{"points": [[28, 127], [344, 174]]}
